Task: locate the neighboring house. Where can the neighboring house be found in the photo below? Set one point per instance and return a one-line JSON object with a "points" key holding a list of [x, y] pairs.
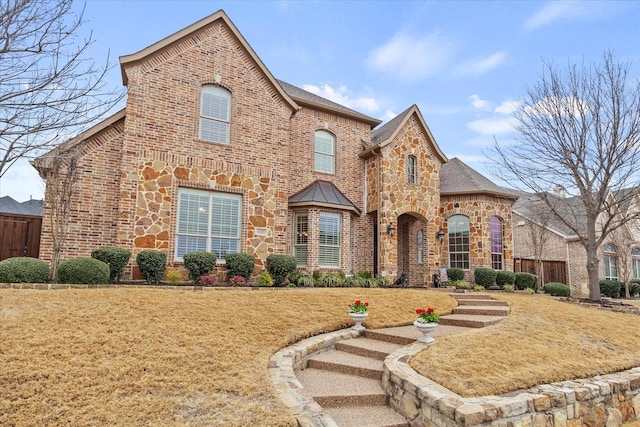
{"points": [[539, 235], [213, 153], [20, 227]]}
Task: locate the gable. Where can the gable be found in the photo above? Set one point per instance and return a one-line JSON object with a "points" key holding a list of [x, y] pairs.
{"points": [[193, 37]]}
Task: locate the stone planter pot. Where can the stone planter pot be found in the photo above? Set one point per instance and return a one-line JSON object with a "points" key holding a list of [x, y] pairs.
{"points": [[358, 318], [426, 329]]}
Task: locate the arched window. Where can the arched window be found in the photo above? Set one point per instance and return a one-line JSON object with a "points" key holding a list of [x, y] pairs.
{"points": [[324, 152], [610, 270], [411, 169], [635, 262], [458, 226], [215, 114], [495, 226], [420, 246]]}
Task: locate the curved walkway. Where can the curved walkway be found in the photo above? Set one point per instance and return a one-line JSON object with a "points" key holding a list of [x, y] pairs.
{"points": [[348, 378]]}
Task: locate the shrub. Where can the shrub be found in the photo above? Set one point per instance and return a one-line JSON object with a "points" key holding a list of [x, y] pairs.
{"points": [[354, 281], [23, 270], [199, 264], [208, 280], [116, 259], [294, 276], [529, 291], [634, 288], [505, 278], [240, 265], [317, 275], [306, 281], [264, 279], [478, 288], [365, 274], [86, 271], [332, 280], [526, 281], [557, 289], [280, 266], [152, 264], [174, 277], [380, 282], [611, 288], [485, 277], [508, 288], [455, 274], [462, 284]]}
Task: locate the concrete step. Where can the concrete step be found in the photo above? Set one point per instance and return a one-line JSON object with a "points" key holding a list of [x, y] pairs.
{"points": [[367, 347], [347, 363], [389, 335], [333, 389], [469, 321], [475, 301], [367, 416], [482, 310], [469, 295]]}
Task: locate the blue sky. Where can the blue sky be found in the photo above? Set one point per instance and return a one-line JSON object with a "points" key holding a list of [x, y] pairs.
{"points": [[464, 63]]}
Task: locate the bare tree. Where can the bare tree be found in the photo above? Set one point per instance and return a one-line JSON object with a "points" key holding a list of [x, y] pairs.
{"points": [[61, 173], [579, 129], [49, 86], [539, 235]]}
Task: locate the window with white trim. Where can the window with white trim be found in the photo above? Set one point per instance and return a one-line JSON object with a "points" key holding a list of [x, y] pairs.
{"points": [[324, 152], [495, 227], [215, 114], [208, 221], [330, 231], [635, 262], [411, 169], [610, 270], [458, 227], [301, 238]]}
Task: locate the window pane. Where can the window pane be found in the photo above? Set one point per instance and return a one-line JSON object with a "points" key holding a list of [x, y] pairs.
{"points": [[324, 152], [221, 247], [458, 226], [211, 130], [300, 252], [420, 245], [330, 227], [188, 244], [193, 213], [215, 103], [300, 238], [495, 226], [225, 221], [411, 170]]}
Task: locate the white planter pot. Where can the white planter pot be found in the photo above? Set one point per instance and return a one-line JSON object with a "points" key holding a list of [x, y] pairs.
{"points": [[426, 329], [358, 318]]}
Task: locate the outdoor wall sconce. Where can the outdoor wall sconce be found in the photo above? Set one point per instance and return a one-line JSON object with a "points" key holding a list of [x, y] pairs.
{"points": [[440, 235], [391, 230]]}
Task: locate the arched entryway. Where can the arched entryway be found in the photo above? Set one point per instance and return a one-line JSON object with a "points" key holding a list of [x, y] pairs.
{"points": [[412, 249]]}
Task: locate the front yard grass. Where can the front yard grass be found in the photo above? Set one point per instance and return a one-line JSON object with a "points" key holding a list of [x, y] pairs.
{"points": [[132, 356]]}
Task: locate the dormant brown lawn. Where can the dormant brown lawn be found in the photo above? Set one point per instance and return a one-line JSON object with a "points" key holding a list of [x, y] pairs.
{"points": [[133, 357], [173, 358]]}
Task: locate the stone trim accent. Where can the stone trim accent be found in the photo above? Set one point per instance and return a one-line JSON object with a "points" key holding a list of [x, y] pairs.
{"points": [[609, 400], [285, 364]]}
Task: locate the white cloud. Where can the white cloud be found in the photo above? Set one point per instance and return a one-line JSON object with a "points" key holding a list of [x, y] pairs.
{"points": [[478, 102], [508, 107], [555, 11], [412, 58], [554, 106], [388, 115], [342, 96], [492, 126], [481, 65], [22, 182]]}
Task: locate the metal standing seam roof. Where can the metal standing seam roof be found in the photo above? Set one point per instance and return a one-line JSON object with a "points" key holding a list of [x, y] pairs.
{"points": [[322, 193]]}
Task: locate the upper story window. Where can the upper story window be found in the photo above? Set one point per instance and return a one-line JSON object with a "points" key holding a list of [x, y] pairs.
{"points": [[458, 226], [610, 270], [215, 113], [324, 157], [411, 169], [208, 221], [495, 225]]}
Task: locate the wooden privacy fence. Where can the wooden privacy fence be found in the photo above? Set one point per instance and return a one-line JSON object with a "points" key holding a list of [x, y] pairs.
{"points": [[552, 271], [19, 235]]}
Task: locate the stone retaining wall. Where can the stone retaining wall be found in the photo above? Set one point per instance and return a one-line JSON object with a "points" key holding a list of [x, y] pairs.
{"points": [[606, 400]]}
